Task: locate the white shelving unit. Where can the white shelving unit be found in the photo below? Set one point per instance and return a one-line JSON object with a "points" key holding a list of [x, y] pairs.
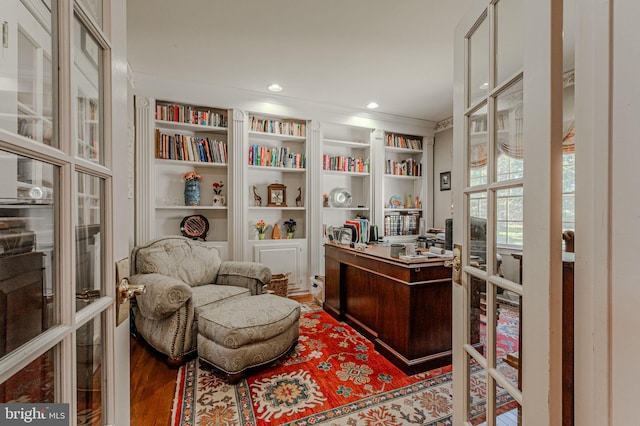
{"points": [[404, 189], [344, 160], [275, 151], [308, 157], [174, 148], [346, 163]]}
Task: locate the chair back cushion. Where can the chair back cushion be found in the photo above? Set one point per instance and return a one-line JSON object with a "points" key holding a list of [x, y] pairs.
{"points": [[189, 261]]}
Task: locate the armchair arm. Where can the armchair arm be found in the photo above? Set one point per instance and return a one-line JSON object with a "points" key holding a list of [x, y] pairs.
{"points": [[163, 296], [249, 275]]}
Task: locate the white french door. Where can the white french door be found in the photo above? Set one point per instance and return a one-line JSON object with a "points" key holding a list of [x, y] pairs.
{"points": [[507, 176], [56, 224]]}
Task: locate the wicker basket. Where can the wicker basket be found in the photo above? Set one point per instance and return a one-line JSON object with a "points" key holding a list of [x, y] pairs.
{"points": [[279, 284]]}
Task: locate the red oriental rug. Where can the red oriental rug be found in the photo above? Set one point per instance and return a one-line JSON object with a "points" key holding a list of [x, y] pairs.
{"points": [[333, 376]]}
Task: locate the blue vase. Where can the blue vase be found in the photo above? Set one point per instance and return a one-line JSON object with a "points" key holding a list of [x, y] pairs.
{"points": [[192, 193]]}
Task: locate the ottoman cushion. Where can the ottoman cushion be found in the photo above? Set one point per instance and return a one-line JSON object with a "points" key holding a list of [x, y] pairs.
{"points": [[247, 320]]}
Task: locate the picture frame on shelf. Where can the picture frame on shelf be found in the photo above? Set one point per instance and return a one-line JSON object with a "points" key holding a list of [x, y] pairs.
{"points": [[445, 181], [277, 195]]}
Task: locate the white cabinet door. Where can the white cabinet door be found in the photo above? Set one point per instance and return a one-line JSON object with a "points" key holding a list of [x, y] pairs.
{"points": [[282, 259]]}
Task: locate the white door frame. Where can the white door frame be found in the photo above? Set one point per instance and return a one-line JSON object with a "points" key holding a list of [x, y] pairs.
{"points": [[607, 218]]}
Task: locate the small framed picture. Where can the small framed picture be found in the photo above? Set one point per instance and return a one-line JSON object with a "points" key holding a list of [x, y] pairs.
{"points": [[277, 195], [445, 181]]}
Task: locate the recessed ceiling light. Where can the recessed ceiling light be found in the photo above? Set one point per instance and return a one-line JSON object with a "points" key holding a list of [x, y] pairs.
{"points": [[484, 86], [372, 105], [275, 87]]}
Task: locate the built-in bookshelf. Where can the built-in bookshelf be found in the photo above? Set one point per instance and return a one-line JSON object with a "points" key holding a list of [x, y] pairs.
{"points": [[276, 178], [274, 169], [403, 184], [185, 138], [346, 165], [277, 155]]}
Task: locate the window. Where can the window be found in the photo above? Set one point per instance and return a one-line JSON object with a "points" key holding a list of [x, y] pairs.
{"points": [[510, 202], [568, 191]]}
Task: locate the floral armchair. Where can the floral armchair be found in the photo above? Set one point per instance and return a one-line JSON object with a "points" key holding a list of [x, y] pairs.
{"points": [[183, 278]]}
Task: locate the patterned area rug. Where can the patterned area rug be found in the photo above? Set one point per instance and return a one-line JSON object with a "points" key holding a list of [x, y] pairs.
{"points": [[333, 376]]}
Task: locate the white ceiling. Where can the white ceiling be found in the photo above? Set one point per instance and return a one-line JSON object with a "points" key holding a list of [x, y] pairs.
{"points": [[346, 53]]}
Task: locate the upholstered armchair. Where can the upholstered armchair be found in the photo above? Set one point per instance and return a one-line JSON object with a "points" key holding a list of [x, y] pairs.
{"points": [[183, 278]]}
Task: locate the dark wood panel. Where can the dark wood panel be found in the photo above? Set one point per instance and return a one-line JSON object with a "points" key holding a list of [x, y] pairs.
{"points": [[431, 307], [567, 344], [360, 301], [394, 315], [332, 284], [405, 309]]}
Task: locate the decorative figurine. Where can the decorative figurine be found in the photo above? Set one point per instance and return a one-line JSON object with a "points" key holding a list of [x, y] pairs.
{"points": [[299, 198], [276, 232], [218, 199], [257, 200]]}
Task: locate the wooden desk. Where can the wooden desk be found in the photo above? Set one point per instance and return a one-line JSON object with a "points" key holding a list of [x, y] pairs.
{"points": [[403, 306]]}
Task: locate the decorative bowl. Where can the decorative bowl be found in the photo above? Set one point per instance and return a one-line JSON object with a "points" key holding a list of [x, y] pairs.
{"points": [[340, 197]]}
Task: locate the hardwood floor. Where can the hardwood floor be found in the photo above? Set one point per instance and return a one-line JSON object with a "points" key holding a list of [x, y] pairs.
{"points": [[153, 383]]}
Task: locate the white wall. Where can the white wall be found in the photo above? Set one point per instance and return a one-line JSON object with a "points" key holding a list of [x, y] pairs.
{"points": [[442, 160]]}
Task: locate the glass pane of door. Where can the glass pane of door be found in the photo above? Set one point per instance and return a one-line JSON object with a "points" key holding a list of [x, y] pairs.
{"points": [[509, 38], [479, 57], [478, 147], [94, 10], [478, 314], [35, 383], [90, 371], [508, 325], [28, 288], [87, 100], [478, 393], [26, 70], [509, 148], [88, 240]]}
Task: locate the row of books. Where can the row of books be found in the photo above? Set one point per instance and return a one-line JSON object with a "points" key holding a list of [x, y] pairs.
{"points": [[401, 141], [279, 127], [406, 224], [191, 115], [190, 148], [345, 164], [360, 225], [408, 167], [276, 157], [362, 230]]}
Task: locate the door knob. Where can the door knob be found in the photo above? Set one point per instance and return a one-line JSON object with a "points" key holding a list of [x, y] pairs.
{"points": [[455, 264], [127, 290]]}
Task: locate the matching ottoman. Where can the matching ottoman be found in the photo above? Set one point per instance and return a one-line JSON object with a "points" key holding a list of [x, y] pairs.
{"points": [[247, 332]]}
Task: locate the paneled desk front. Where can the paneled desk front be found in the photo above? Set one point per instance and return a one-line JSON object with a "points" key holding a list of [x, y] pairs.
{"points": [[403, 306]]}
